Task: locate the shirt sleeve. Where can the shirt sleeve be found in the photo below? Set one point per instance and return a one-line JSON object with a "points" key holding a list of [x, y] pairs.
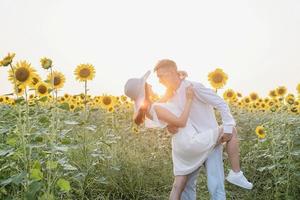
{"points": [[210, 97]]}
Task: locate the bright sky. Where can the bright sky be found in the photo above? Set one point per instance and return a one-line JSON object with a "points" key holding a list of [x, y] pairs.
{"points": [[256, 42]]}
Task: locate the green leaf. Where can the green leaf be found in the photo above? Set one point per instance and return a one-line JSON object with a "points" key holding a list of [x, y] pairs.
{"points": [[51, 164], [64, 185], [47, 196], [19, 178], [44, 119], [11, 141], [36, 174], [5, 182], [34, 187], [36, 165], [43, 99], [64, 106]]}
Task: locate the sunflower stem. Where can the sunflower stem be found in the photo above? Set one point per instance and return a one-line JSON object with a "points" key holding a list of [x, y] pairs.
{"points": [[15, 81], [52, 81], [85, 93]]}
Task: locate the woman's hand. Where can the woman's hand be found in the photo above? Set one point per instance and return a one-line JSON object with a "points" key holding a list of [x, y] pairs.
{"points": [[189, 92]]}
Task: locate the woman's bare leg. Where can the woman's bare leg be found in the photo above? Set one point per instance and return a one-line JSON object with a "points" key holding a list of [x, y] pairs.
{"points": [[232, 149], [178, 187]]}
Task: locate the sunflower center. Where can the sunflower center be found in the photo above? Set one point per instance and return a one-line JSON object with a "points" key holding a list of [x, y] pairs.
{"points": [[280, 91], [35, 80], [294, 109], [229, 94], [253, 97], [218, 78], [42, 89], [124, 98], [106, 100], [261, 131], [57, 80], [85, 72], [22, 74], [291, 101]]}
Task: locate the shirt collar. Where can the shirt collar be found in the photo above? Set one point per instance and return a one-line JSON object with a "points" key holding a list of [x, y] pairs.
{"points": [[182, 83]]}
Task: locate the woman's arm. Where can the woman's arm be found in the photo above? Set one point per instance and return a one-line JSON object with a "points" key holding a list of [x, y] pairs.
{"points": [[168, 117]]}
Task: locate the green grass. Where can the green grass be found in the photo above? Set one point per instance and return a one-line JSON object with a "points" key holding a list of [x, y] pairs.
{"points": [[102, 158]]}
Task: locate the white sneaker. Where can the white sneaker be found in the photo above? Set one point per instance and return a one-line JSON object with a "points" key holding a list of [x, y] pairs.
{"points": [[239, 179]]}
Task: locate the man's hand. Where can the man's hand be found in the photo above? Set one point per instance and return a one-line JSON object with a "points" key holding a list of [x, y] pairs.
{"points": [[224, 137], [172, 129]]}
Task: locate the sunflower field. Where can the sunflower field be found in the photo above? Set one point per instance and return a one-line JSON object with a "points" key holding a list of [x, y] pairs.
{"points": [[79, 146]]}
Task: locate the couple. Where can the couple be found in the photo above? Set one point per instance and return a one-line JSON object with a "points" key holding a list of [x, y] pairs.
{"points": [[187, 112]]}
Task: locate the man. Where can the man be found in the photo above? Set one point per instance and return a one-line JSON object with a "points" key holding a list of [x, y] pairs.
{"points": [[203, 117]]}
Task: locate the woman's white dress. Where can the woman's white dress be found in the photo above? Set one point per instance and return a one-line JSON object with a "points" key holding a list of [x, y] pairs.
{"points": [[189, 148]]}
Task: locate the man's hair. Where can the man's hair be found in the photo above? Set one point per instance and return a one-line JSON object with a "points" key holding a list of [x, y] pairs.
{"points": [[165, 63]]}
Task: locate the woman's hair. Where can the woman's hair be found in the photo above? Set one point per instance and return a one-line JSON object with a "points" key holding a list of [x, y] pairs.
{"points": [[182, 74], [141, 115]]}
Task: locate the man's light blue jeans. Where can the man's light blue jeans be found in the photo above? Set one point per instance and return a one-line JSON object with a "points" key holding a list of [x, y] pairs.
{"points": [[215, 177]]}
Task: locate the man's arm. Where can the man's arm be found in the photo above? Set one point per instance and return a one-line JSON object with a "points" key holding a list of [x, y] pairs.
{"points": [[210, 97]]}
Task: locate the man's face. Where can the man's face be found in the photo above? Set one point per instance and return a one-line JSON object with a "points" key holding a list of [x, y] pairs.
{"points": [[166, 76]]}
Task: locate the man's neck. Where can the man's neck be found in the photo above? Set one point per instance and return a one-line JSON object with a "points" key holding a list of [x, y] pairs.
{"points": [[177, 84]]}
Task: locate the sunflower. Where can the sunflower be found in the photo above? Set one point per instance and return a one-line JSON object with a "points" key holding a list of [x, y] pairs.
{"points": [[270, 105], [246, 100], [7, 60], [273, 94], [253, 106], [294, 109], [22, 73], [239, 94], [266, 100], [110, 109], [135, 130], [217, 78], [42, 89], [106, 101], [72, 106], [229, 95], [263, 106], [20, 90], [46, 63], [84, 72], [260, 132], [290, 99], [254, 96], [128, 105], [67, 96], [2, 99], [57, 78], [281, 91], [298, 88], [32, 96], [240, 104], [34, 80]]}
